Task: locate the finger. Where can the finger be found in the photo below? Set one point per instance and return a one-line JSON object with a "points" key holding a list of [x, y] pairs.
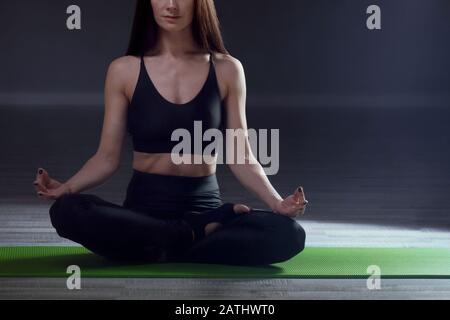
{"points": [[301, 203], [292, 200], [53, 184], [300, 210], [301, 191], [298, 206], [41, 195], [45, 195], [40, 175], [39, 187], [45, 177], [298, 194]]}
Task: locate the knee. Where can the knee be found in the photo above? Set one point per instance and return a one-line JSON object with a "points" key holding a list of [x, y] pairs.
{"points": [[298, 236], [64, 211], [292, 238], [282, 231]]}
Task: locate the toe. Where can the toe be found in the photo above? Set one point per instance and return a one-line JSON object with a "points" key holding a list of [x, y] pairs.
{"points": [[241, 208]]}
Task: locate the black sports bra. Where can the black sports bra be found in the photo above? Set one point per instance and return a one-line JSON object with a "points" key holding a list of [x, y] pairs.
{"points": [[152, 118]]}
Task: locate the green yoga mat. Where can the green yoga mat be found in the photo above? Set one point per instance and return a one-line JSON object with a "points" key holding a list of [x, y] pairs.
{"points": [[311, 263]]}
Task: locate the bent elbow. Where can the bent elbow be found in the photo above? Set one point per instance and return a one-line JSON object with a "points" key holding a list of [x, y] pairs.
{"points": [[111, 161]]}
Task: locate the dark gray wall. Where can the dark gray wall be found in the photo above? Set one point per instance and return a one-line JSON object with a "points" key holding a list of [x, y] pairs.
{"points": [[290, 49]]}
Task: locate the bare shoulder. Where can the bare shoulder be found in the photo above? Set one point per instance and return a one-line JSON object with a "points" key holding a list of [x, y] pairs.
{"points": [[229, 67], [230, 74], [123, 68], [123, 74]]}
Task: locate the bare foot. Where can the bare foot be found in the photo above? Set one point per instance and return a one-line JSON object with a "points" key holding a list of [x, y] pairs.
{"points": [[238, 208]]}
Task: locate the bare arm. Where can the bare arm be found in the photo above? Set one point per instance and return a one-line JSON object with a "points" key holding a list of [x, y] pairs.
{"points": [[105, 162], [250, 174]]}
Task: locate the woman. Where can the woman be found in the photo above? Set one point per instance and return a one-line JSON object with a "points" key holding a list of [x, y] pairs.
{"points": [[174, 212]]}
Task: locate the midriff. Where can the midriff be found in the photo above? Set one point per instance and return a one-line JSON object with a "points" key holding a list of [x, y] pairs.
{"points": [[161, 163]]}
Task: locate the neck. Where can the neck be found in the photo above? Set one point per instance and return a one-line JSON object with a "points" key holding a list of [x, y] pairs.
{"points": [[176, 44]]}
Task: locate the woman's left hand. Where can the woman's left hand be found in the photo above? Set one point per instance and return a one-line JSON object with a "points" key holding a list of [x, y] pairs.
{"points": [[293, 205]]}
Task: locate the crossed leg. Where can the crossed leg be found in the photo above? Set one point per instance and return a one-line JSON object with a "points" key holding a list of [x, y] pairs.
{"points": [[258, 237], [119, 233], [116, 232]]}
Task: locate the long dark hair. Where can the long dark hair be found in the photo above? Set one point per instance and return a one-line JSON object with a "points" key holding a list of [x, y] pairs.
{"points": [[205, 28]]}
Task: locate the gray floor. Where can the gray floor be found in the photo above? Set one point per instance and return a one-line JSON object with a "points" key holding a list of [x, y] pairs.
{"points": [[195, 289], [374, 177]]}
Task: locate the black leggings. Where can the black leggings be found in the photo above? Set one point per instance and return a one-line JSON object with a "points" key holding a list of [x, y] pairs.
{"points": [[149, 227]]}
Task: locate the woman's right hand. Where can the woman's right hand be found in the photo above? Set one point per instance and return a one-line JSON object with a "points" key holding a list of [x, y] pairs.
{"points": [[48, 188]]}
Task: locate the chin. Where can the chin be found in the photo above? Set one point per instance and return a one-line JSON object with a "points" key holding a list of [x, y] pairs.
{"points": [[172, 27]]}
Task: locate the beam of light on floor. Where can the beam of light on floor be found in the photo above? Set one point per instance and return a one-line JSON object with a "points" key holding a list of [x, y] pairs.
{"points": [[331, 234], [30, 225]]}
